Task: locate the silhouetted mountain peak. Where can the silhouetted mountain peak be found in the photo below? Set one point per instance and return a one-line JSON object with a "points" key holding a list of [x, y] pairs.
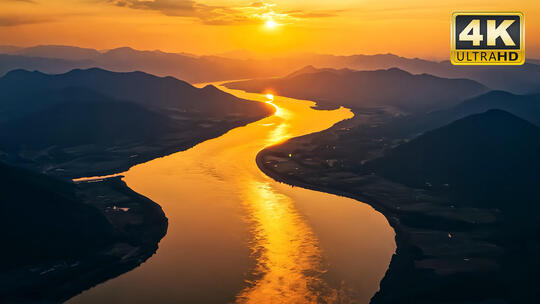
{"points": [[492, 96], [105, 73], [397, 71], [210, 88], [305, 70], [390, 74], [126, 49], [92, 74], [20, 74], [488, 127], [492, 120], [523, 106]]}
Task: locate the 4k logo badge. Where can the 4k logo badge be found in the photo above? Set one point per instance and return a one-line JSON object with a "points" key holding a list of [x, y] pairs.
{"points": [[488, 38]]}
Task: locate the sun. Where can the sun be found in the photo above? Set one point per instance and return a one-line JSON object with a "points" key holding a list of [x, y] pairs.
{"points": [[270, 97], [270, 24]]}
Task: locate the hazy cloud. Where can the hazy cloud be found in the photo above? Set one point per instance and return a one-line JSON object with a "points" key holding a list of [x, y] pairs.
{"points": [[253, 12], [27, 1], [314, 14], [21, 20], [168, 7], [257, 4]]}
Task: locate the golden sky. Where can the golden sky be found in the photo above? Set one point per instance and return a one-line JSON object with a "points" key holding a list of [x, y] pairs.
{"points": [[414, 28]]}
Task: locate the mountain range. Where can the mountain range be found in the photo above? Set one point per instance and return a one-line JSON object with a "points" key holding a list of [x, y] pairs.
{"points": [[158, 93], [194, 69], [241, 65], [524, 106], [517, 79], [362, 89], [62, 123]]}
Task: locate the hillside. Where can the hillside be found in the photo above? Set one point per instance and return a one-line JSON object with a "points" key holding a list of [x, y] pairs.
{"points": [[486, 159], [44, 213], [84, 117], [60, 238]]}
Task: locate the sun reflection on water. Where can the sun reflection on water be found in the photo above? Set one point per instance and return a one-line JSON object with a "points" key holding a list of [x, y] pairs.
{"points": [[289, 262]]}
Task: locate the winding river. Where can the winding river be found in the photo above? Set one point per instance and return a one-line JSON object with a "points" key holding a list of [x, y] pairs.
{"points": [[236, 235]]}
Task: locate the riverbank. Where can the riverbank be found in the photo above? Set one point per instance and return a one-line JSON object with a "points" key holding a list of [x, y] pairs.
{"points": [[445, 252], [137, 225], [96, 160]]}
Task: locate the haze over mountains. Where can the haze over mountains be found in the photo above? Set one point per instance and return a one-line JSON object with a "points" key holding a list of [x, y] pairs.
{"points": [[356, 89], [183, 66], [524, 106], [242, 65]]}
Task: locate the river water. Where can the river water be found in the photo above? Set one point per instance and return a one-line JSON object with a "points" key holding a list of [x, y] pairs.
{"points": [[235, 235]]}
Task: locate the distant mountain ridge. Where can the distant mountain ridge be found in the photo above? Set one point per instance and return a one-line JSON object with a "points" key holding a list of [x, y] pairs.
{"points": [[158, 93], [517, 79], [242, 65], [350, 88], [189, 67], [57, 52], [524, 106], [46, 65]]}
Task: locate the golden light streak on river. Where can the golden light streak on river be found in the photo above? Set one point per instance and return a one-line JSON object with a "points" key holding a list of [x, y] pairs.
{"points": [[288, 258], [235, 235]]}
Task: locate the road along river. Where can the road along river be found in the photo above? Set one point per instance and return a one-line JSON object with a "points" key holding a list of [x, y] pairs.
{"points": [[236, 235]]}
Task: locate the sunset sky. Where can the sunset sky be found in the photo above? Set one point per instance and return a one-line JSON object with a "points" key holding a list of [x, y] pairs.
{"points": [[409, 28]]}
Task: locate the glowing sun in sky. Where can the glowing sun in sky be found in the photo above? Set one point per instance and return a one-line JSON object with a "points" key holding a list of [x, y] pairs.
{"points": [[270, 96], [270, 24]]}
